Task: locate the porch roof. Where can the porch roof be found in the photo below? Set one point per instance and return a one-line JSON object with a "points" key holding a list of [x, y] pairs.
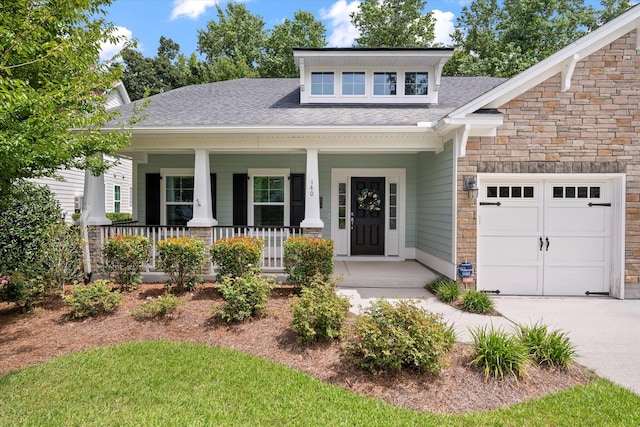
{"points": [[276, 102]]}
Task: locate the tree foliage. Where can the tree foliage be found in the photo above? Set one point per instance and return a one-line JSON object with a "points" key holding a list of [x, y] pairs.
{"points": [[50, 83], [502, 39], [393, 23]]}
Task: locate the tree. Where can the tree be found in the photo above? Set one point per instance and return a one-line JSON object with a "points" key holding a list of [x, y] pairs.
{"points": [[236, 39], [303, 32], [51, 83], [502, 41], [393, 23]]}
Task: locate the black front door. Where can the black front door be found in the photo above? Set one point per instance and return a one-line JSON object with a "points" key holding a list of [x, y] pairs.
{"points": [[367, 216]]}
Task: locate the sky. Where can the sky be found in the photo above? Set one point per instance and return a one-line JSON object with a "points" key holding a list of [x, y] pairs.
{"points": [[180, 20]]}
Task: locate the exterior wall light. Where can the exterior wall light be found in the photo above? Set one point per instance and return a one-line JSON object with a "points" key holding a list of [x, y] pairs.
{"points": [[471, 186]]}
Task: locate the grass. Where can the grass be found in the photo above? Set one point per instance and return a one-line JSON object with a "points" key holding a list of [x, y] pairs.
{"points": [[183, 384]]}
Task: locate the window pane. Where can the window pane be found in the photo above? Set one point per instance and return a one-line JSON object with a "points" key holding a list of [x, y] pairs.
{"points": [[504, 191], [384, 83], [268, 215], [260, 196], [516, 192], [392, 212], [342, 211], [492, 192], [187, 196], [595, 192], [179, 214], [558, 192], [353, 83], [416, 83], [528, 192], [582, 192], [570, 192], [392, 224], [321, 83], [342, 224]]}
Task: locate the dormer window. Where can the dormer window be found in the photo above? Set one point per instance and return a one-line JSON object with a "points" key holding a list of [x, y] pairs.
{"points": [[384, 83], [322, 83], [416, 83], [353, 83]]}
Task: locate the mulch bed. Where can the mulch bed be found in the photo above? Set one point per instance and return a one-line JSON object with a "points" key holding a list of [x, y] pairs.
{"points": [[32, 338]]}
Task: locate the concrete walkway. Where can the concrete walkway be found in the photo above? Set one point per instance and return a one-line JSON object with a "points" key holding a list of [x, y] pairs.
{"points": [[605, 331]]}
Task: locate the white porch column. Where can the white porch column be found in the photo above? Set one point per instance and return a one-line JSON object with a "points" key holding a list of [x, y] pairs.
{"points": [[202, 203], [312, 193], [93, 206]]}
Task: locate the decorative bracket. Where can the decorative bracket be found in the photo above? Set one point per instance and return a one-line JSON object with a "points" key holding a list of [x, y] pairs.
{"points": [[463, 137], [567, 72]]}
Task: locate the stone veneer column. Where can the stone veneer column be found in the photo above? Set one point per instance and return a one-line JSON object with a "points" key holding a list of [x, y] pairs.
{"points": [[312, 232], [205, 234]]}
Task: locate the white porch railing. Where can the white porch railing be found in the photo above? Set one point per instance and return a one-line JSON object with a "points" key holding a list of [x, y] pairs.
{"points": [[273, 237]]}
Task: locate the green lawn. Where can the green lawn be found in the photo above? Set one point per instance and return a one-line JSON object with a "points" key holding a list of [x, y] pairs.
{"points": [[181, 384]]}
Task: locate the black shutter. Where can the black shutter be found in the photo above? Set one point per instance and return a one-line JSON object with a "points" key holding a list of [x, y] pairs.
{"points": [[152, 199], [296, 202], [213, 194], [240, 184]]}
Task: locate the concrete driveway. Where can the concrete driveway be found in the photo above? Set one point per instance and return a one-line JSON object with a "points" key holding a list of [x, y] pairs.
{"points": [[605, 331]]}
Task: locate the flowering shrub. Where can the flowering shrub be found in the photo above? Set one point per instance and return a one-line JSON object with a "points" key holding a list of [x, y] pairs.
{"points": [[319, 313], [306, 257], [245, 296], [158, 307], [93, 299], [124, 257], [22, 288], [182, 258], [237, 256]]}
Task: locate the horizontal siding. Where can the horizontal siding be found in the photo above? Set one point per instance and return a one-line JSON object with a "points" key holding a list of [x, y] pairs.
{"points": [[122, 175], [66, 190], [435, 203]]}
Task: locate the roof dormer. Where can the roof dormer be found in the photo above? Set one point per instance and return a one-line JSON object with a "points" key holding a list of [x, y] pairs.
{"points": [[370, 75]]}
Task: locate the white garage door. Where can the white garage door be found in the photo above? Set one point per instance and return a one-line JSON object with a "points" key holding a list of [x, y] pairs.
{"points": [[544, 236]]}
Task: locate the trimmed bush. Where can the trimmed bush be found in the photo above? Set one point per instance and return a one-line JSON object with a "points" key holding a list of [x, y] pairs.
{"points": [[552, 348], [497, 353], [61, 255], [237, 256], [390, 337], [159, 307], [124, 258], [448, 291], [93, 299], [477, 302], [182, 258], [307, 257], [245, 296], [319, 313], [116, 217]]}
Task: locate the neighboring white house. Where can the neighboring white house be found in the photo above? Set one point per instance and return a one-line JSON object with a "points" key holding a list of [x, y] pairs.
{"points": [[118, 180]]}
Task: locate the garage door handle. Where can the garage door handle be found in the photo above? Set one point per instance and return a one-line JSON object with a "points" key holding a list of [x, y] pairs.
{"points": [[490, 204], [599, 204], [541, 244], [547, 239]]}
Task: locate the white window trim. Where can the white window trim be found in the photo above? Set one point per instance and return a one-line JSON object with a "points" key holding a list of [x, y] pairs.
{"points": [[323, 95], [114, 197], [269, 172], [165, 172]]}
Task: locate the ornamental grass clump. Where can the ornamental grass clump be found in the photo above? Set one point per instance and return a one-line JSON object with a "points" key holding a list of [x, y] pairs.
{"points": [[237, 256], [159, 307], [307, 257], [124, 259], [392, 337], [476, 302], [94, 299], [551, 348], [244, 297], [496, 353], [319, 313], [448, 291], [182, 258]]}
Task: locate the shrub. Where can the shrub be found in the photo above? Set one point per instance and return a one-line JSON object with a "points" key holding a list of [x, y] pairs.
{"points": [[158, 307], [498, 354], [319, 313], [26, 211], [93, 299], [124, 258], [477, 302], [182, 258], [305, 258], [546, 347], [119, 216], [245, 296], [23, 288], [237, 256], [61, 255], [390, 337], [448, 291]]}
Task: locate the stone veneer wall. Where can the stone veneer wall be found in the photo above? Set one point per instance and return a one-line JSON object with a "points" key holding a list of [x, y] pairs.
{"points": [[594, 127]]}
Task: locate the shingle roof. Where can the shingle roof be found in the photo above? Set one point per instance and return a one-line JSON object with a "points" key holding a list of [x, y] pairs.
{"points": [[275, 102]]}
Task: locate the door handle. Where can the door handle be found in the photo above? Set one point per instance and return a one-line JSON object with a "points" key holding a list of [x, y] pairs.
{"points": [[541, 244], [352, 220], [547, 239]]}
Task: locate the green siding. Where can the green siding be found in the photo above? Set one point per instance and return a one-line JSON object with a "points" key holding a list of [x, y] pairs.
{"points": [[435, 203]]}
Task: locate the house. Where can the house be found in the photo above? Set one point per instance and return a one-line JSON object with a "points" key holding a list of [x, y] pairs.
{"points": [[533, 180], [69, 189]]}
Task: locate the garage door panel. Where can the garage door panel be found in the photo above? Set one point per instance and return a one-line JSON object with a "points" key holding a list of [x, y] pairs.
{"points": [[516, 280], [521, 251], [578, 220], [577, 250], [510, 219], [574, 281]]}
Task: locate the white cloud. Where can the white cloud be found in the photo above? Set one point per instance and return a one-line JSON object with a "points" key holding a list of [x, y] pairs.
{"points": [[444, 27], [108, 50], [342, 32], [190, 8]]}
